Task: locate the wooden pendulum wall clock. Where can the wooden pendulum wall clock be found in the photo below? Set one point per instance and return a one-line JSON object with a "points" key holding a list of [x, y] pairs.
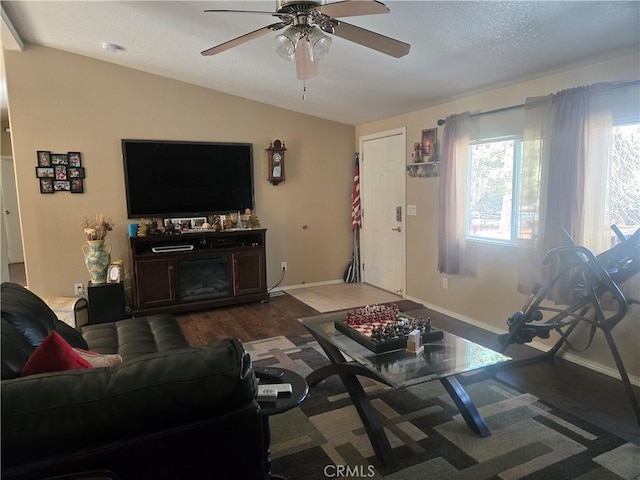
{"points": [[276, 162]]}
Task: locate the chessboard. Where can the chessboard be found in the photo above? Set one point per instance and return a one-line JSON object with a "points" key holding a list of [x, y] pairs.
{"points": [[383, 328]]}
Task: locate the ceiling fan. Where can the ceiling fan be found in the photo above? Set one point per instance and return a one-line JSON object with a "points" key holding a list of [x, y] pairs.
{"points": [[306, 22]]}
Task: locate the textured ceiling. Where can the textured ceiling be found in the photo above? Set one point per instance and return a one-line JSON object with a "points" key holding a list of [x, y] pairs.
{"points": [[458, 47]]}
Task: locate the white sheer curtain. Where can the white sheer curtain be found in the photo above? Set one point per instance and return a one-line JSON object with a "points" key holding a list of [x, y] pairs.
{"points": [[452, 231], [565, 165]]}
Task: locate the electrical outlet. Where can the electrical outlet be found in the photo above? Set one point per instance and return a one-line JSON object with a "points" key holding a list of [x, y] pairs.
{"points": [[283, 266], [445, 283], [78, 288]]}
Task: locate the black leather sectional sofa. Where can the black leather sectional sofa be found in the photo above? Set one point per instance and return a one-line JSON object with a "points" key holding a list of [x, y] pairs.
{"points": [[166, 412]]}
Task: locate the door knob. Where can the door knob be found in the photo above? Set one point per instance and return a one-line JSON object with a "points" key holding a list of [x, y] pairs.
{"points": [[399, 229]]}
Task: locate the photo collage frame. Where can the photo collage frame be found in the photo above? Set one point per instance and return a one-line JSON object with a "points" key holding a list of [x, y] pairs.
{"points": [[60, 172]]}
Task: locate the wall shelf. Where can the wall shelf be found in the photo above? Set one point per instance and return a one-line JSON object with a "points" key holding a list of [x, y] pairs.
{"points": [[424, 169]]}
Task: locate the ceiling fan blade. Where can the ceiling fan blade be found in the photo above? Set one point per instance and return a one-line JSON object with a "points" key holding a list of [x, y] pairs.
{"points": [[370, 39], [244, 11], [243, 38], [305, 68], [352, 8]]}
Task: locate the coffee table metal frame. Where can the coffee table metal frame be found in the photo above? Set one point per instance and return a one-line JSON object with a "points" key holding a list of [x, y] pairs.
{"points": [[440, 360]]}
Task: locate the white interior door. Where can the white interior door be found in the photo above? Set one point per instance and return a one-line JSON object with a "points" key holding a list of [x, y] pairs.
{"points": [[383, 174]]}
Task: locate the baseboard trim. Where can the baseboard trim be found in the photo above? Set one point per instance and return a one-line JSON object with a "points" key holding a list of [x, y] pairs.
{"points": [[570, 357], [305, 285]]}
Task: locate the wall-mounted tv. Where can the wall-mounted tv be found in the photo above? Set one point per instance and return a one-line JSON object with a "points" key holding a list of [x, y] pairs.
{"points": [[172, 178]]}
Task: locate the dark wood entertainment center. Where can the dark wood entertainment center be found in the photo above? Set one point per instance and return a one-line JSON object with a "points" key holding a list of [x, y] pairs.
{"points": [[198, 270]]}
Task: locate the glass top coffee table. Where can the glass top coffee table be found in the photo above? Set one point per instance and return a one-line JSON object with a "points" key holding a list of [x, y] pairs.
{"points": [[441, 360]]}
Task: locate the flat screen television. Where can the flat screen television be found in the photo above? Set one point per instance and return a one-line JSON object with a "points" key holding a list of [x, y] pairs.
{"points": [[182, 179]]}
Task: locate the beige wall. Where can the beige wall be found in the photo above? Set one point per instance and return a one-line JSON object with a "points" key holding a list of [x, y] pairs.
{"points": [[64, 102], [490, 297]]}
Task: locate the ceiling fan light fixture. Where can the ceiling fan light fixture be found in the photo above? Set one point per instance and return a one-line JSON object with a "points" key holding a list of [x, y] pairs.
{"points": [[304, 24], [319, 44], [287, 41]]}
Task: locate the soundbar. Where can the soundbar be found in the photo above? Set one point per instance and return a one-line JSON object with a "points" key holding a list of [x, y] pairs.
{"points": [[172, 248]]}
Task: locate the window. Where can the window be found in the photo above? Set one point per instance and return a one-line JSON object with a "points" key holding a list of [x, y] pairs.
{"points": [[494, 178], [625, 177], [494, 181], [497, 177]]}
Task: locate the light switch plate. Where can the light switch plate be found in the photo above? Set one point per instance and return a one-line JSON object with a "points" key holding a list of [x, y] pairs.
{"points": [[412, 210]]}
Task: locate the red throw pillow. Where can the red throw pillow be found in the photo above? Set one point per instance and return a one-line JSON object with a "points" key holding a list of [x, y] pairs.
{"points": [[53, 355]]}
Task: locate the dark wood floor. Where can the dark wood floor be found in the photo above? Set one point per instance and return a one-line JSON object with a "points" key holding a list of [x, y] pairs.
{"points": [[597, 398]]}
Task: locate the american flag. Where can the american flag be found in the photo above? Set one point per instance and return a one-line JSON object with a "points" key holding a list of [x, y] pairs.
{"points": [[355, 198]]}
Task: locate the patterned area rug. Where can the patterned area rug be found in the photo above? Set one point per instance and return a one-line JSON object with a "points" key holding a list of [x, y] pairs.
{"points": [[324, 438]]}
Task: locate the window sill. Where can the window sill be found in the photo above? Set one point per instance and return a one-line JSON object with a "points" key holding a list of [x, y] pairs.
{"points": [[492, 241]]}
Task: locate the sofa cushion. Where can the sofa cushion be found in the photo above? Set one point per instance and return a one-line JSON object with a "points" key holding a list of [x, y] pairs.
{"points": [[134, 337], [54, 355]]}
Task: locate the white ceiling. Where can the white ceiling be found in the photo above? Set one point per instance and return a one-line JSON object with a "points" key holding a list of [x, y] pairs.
{"points": [[458, 47]]}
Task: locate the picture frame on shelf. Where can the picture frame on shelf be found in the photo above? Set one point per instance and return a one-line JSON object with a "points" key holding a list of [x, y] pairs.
{"points": [[171, 221], [46, 185], [114, 273], [197, 222], [194, 223], [44, 158], [429, 138]]}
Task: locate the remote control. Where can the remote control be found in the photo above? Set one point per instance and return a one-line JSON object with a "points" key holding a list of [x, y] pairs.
{"points": [[281, 388], [267, 394], [268, 373]]}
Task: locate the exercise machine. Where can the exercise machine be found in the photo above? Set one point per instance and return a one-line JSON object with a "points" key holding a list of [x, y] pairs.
{"points": [[591, 282]]}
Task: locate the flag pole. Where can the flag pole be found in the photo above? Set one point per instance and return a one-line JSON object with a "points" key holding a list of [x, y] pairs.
{"points": [[356, 249], [356, 217]]}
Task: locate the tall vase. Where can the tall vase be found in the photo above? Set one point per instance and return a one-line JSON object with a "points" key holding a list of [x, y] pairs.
{"points": [[97, 258]]}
